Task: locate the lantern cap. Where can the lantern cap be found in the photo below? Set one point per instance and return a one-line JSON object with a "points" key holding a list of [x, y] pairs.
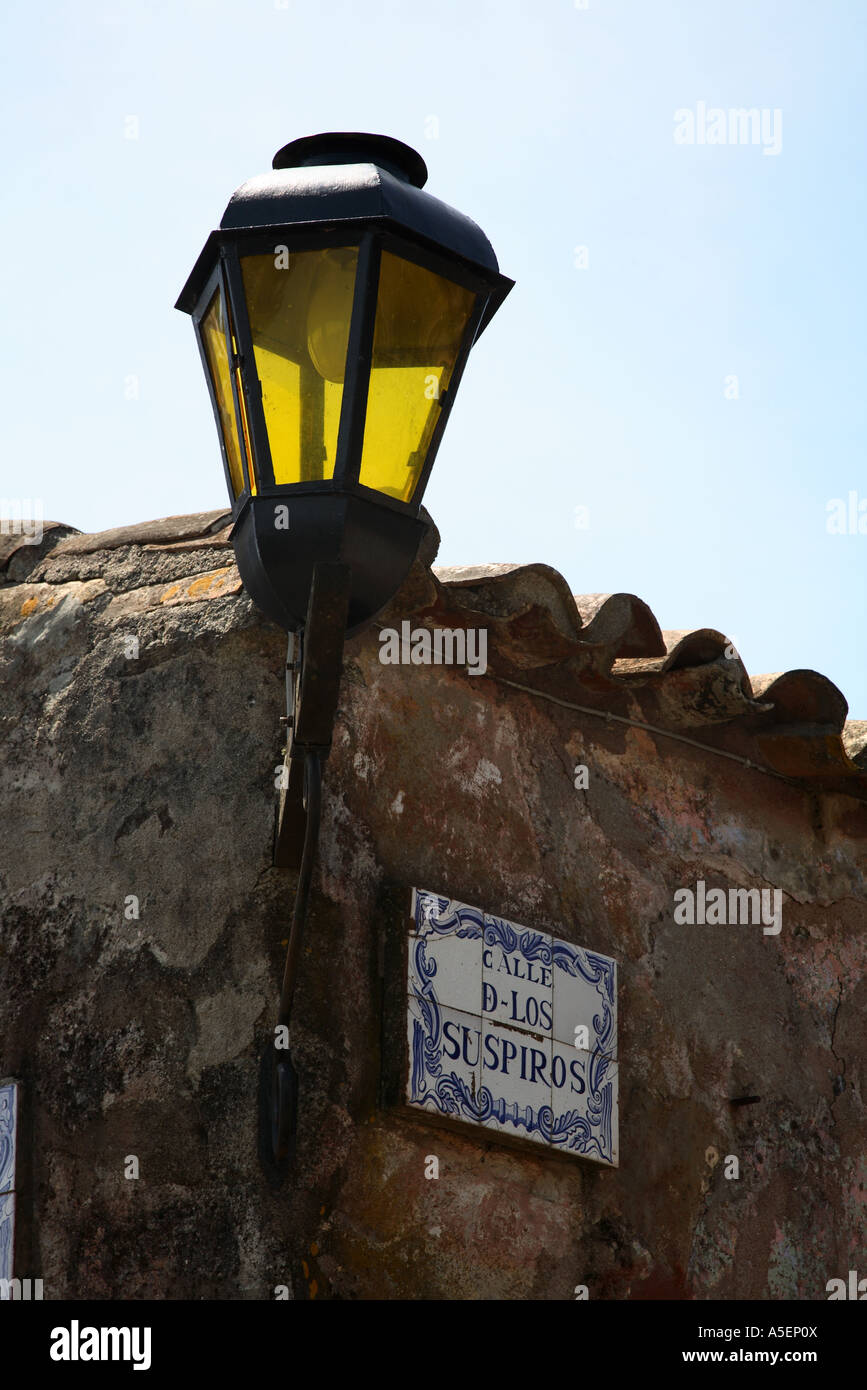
{"points": [[346, 179], [354, 147]]}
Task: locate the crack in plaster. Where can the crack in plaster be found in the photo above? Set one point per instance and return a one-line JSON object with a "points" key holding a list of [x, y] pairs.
{"points": [[841, 1061]]}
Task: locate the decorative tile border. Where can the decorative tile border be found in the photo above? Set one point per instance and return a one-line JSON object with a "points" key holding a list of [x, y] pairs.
{"points": [[8, 1127], [492, 1013]]}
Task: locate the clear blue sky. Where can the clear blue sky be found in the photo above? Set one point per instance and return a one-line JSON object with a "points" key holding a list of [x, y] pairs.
{"points": [[602, 387]]}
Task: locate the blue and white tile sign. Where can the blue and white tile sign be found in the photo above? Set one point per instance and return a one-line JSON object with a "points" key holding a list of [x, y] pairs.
{"points": [[8, 1124], [494, 1012]]}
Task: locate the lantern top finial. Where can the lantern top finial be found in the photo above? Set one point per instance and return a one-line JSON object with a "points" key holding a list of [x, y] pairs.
{"points": [[354, 147]]}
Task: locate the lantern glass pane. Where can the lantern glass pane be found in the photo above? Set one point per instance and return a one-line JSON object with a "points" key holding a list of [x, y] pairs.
{"points": [[299, 306], [420, 323], [213, 330]]}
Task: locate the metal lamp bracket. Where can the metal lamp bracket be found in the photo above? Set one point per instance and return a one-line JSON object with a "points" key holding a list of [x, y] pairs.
{"points": [[314, 662], [313, 667]]}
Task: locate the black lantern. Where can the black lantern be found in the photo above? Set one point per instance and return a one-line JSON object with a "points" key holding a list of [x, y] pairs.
{"points": [[335, 309]]}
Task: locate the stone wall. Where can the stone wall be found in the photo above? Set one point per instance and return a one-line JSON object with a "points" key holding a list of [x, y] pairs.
{"points": [[152, 775]]}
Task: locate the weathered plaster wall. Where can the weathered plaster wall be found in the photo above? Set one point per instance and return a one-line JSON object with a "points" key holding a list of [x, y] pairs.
{"points": [[154, 776]]}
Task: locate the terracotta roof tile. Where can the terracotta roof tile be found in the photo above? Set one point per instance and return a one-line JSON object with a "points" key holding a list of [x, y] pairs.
{"points": [[619, 662]]}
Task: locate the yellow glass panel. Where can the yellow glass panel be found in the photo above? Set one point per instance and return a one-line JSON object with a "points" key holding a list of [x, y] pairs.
{"points": [[300, 306], [213, 330], [420, 322]]}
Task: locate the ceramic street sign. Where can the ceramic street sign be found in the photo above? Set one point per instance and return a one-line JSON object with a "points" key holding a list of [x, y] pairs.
{"points": [[8, 1121], [510, 1029]]}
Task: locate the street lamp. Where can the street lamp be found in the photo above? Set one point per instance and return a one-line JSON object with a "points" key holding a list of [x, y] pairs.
{"points": [[334, 310]]}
